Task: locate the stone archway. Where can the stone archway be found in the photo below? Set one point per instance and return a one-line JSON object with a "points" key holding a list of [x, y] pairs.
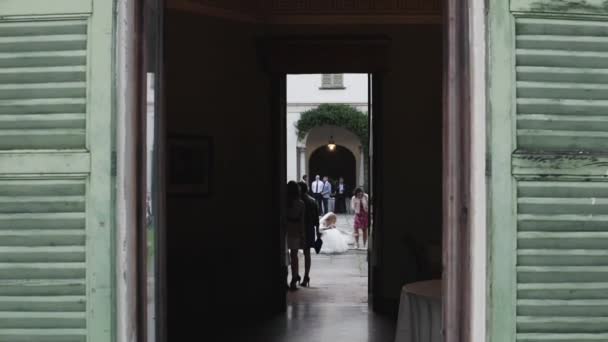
{"points": [[318, 138], [340, 162]]}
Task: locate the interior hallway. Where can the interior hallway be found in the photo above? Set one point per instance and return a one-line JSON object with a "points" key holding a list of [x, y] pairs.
{"points": [[333, 309]]}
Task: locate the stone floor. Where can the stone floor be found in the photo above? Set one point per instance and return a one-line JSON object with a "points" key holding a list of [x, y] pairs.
{"points": [[334, 308]]}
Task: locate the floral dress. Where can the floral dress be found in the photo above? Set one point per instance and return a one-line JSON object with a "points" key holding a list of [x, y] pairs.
{"points": [[361, 218]]}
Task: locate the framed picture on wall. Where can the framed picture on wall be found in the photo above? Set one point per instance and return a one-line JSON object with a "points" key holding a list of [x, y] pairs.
{"points": [[190, 165]]}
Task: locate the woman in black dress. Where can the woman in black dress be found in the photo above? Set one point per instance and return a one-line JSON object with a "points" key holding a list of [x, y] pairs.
{"points": [[312, 229]]}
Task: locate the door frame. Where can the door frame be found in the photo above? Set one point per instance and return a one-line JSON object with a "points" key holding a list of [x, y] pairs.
{"points": [[464, 183], [464, 159], [283, 55], [278, 119]]}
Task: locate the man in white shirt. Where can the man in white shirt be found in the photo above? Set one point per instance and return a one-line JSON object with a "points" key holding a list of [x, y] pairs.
{"points": [[326, 193], [317, 190]]}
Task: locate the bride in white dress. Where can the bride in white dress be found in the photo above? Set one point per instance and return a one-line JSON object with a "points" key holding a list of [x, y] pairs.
{"points": [[334, 241]]}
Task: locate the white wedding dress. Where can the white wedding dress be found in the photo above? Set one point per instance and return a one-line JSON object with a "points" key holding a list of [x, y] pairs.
{"points": [[334, 241]]}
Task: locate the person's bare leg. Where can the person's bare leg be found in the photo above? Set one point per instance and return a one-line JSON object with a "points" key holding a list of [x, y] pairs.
{"points": [[307, 262], [357, 238], [364, 238], [295, 276]]}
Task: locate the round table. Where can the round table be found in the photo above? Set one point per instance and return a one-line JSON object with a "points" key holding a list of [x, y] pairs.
{"points": [[420, 313]]}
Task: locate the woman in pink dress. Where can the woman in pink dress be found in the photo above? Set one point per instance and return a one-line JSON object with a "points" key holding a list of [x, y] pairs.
{"points": [[359, 203]]}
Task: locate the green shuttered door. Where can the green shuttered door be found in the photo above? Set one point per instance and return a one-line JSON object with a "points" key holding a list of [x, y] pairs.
{"points": [[55, 164], [548, 178]]}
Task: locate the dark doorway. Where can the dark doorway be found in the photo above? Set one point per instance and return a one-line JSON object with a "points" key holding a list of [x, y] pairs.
{"points": [[223, 258], [334, 164]]}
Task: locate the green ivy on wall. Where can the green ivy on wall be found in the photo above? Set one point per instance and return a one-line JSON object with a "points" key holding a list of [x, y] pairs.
{"points": [[340, 115]]}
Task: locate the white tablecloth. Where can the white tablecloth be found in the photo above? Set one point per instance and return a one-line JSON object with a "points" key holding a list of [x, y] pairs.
{"points": [[420, 313]]}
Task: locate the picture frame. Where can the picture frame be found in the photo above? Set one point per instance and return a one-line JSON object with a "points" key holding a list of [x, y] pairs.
{"points": [[190, 166]]}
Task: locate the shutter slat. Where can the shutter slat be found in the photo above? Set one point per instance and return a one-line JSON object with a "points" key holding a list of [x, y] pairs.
{"points": [[65, 187], [43, 335], [566, 42], [561, 106], [25, 139], [567, 337], [567, 222], [42, 237], [44, 287], [569, 123], [41, 106], [43, 303], [42, 59], [562, 291], [565, 308], [42, 270], [42, 90], [560, 74], [42, 71], [560, 257], [562, 58], [42, 254], [559, 90], [38, 28], [47, 161], [41, 320], [43, 74], [37, 220], [556, 205], [43, 121]]}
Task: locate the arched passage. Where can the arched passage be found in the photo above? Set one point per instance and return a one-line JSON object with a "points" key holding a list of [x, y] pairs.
{"points": [[334, 164], [318, 138]]}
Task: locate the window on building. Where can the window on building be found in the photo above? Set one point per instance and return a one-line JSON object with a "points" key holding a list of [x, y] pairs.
{"points": [[332, 81]]}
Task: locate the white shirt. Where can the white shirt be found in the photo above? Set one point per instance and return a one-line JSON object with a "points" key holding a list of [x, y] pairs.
{"points": [[317, 187]]}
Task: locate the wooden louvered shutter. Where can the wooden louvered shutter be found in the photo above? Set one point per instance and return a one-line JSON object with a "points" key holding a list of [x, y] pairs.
{"points": [[326, 81], [338, 80], [548, 174], [55, 170]]}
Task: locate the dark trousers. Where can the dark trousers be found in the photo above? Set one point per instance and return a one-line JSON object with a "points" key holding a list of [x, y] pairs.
{"points": [[319, 199], [325, 205], [340, 204]]}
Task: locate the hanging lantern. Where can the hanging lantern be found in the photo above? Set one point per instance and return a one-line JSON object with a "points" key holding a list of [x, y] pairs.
{"points": [[331, 145]]}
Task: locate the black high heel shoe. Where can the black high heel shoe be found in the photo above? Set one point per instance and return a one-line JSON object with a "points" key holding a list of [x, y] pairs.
{"points": [[294, 283], [305, 282]]}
